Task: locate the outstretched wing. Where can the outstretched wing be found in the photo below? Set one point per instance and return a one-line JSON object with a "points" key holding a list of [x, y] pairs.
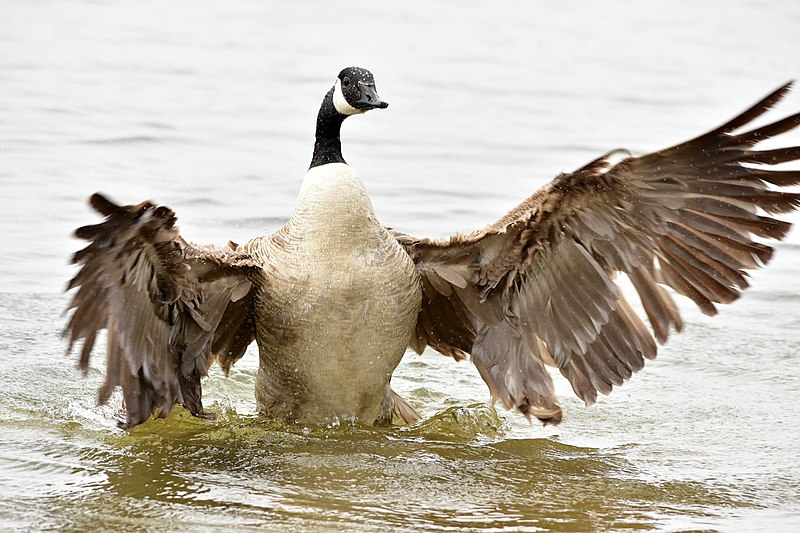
{"points": [[540, 285], [170, 308]]}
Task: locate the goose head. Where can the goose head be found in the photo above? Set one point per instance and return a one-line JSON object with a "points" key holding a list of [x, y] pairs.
{"points": [[354, 92]]}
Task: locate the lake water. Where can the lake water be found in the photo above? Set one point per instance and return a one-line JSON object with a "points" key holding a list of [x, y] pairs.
{"points": [[209, 107]]}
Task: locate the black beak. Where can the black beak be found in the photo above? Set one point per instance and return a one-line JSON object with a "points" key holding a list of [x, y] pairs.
{"points": [[369, 99]]}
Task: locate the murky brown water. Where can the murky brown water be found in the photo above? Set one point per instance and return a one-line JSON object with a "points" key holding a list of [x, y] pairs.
{"points": [[209, 108]]}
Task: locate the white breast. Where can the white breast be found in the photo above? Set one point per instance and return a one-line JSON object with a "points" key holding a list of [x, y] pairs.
{"points": [[343, 299], [334, 204]]}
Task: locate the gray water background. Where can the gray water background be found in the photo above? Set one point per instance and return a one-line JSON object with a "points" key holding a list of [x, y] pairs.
{"points": [[209, 107]]}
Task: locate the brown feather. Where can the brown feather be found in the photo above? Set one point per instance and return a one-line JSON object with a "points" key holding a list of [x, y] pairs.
{"points": [[137, 281], [543, 290]]}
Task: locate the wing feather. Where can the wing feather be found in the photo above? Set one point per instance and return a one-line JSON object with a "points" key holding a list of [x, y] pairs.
{"points": [[171, 309], [539, 286]]}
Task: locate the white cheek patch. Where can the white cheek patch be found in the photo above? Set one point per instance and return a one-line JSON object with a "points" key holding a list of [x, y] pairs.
{"points": [[340, 103]]}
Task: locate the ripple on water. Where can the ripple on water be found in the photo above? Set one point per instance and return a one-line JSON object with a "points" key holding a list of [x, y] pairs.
{"points": [[446, 471], [458, 467]]}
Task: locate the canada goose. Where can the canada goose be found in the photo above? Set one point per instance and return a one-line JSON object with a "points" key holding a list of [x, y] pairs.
{"points": [[334, 299]]}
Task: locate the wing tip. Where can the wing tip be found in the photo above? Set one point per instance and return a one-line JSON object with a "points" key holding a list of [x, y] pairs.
{"points": [[777, 95], [548, 416], [100, 203]]}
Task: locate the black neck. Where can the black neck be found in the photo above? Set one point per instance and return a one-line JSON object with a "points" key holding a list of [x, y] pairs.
{"points": [[328, 146]]}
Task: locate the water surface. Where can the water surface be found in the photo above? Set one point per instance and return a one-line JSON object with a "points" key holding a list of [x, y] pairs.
{"points": [[209, 108]]}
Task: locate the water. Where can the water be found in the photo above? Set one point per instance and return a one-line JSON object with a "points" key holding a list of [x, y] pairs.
{"points": [[209, 107]]}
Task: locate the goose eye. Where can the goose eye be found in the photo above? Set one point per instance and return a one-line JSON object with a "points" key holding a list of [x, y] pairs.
{"points": [[345, 81]]}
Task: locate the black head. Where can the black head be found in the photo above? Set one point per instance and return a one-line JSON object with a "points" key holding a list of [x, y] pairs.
{"points": [[355, 92]]}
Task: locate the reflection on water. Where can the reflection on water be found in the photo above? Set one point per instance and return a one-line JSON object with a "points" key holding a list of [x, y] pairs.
{"points": [[242, 472], [463, 465]]}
